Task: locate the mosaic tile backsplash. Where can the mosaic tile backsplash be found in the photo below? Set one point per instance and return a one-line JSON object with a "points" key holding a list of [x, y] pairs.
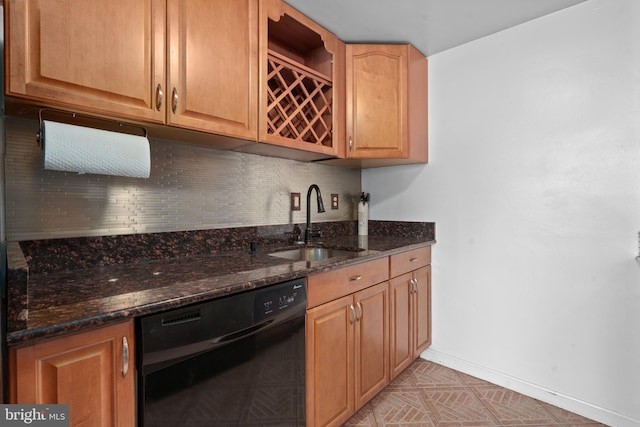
{"points": [[190, 188]]}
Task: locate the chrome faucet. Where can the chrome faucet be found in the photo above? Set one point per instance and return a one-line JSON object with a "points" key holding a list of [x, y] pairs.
{"points": [[308, 233]]}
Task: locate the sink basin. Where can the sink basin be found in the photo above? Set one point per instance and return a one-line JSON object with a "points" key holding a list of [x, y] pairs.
{"points": [[311, 254]]}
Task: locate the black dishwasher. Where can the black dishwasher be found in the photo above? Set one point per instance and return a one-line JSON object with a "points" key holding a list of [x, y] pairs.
{"points": [[232, 361]]}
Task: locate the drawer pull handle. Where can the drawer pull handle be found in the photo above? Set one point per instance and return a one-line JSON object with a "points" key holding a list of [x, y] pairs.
{"points": [[355, 278], [125, 357], [414, 259]]}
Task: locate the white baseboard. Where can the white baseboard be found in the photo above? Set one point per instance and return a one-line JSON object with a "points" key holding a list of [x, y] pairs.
{"points": [[594, 412]]}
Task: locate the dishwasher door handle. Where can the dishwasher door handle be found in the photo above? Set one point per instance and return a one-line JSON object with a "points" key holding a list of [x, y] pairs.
{"points": [[191, 349], [155, 360], [234, 336]]}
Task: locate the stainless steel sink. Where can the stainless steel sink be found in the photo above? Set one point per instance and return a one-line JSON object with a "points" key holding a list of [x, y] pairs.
{"points": [[311, 254]]}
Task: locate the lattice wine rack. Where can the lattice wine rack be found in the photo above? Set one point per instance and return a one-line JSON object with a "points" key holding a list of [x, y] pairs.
{"points": [[298, 101]]}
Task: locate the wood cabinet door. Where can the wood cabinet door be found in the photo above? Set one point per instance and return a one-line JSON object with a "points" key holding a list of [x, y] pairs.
{"points": [[422, 304], [101, 56], [330, 360], [376, 79], [213, 48], [86, 371], [401, 323], [371, 342]]}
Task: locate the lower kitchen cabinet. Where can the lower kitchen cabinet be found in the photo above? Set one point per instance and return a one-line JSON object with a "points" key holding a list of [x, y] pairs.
{"points": [[330, 363], [410, 308], [347, 340], [91, 371]]}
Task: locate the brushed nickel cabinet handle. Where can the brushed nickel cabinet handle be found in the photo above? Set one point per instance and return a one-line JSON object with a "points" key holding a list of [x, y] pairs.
{"points": [[159, 96], [174, 103], [355, 278], [352, 315], [125, 357], [414, 286], [414, 259], [359, 312], [350, 144]]}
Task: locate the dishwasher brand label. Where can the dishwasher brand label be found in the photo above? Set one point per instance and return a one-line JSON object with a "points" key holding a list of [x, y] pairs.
{"points": [[34, 415]]}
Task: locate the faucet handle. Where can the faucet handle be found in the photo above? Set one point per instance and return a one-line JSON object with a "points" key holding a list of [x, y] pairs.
{"points": [[314, 233], [296, 234]]}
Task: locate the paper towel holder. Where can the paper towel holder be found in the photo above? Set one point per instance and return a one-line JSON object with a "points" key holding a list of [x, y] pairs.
{"points": [[71, 117]]}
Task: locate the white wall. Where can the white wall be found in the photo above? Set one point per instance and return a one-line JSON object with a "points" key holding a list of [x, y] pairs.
{"points": [[534, 185]]}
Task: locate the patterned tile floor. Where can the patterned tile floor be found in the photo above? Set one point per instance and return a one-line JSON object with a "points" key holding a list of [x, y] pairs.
{"points": [[428, 394]]}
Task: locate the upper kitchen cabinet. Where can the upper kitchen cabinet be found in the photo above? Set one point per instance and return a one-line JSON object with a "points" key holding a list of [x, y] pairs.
{"points": [[101, 56], [301, 67], [212, 74], [386, 105], [109, 57]]}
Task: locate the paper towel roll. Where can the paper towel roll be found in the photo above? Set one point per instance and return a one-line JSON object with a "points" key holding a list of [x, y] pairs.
{"points": [[79, 149]]}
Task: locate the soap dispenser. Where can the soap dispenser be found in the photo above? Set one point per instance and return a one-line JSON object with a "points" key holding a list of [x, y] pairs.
{"points": [[363, 214]]}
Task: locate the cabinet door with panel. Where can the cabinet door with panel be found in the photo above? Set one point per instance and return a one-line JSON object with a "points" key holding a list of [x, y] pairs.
{"points": [[401, 330], [101, 56], [386, 102], [422, 304], [410, 307], [371, 342], [212, 68], [92, 372], [410, 296], [348, 342], [330, 363]]}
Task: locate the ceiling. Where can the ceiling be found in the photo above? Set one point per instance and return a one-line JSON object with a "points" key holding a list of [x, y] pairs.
{"points": [[430, 25]]}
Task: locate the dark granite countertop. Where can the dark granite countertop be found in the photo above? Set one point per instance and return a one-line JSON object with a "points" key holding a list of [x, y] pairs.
{"points": [[75, 296]]}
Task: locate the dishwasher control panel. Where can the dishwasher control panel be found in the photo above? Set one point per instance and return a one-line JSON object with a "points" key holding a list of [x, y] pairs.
{"points": [[272, 300]]}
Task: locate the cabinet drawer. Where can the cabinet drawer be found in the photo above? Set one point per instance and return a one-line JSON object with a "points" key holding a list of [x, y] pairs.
{"points": [[408, 261], [333, 284]]}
